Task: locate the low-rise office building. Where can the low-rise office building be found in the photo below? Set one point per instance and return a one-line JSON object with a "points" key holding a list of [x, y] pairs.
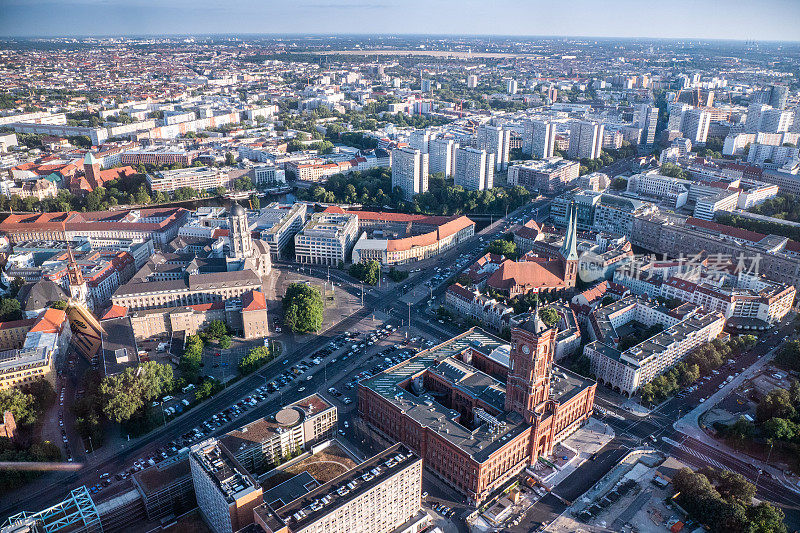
{"points": [[33, 357], [259, 445], [198, 178], [685, 329], [326, 239], [545, 175], [103, 228], [247, 314], [162, 155], [278, 224], [746, 300], [397, 238]]}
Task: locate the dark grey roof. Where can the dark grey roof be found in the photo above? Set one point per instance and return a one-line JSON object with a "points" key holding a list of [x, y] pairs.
{"points": [[41, 294], [237, 210]]}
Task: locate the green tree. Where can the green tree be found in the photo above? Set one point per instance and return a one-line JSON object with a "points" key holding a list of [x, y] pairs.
{"points": [[789, 356], [10, 310], [220, 191], [21, 405], [776, 404], [549, 316], [243, 184], [124, 395], [368, 272], [230, 159], [59, 304], [258, 357], [779, 429], [225, 342], [302, 308], [674, 171], [154, 379], [618, 184], [216, 329], [191, 358], [397, 275], [503, 247], [765, 518]]}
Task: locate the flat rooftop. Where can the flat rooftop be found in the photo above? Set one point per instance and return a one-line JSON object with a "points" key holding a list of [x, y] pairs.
{"points": [[340, 490], [166, 472], [266, 428], [231, 478]]}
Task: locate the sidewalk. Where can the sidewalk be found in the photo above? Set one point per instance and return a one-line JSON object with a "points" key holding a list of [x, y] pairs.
{"points": [[586, 441], [689, 424], [566, 523]]}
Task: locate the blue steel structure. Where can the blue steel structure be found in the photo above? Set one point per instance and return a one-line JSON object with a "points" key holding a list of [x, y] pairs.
{"points": [[77, 513]]}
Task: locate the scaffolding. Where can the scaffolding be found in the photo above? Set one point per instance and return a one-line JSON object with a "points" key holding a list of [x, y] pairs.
{"points": [[77, 513]]}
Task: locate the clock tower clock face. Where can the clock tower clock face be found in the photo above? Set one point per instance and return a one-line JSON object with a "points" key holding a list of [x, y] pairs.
{"points": [[525, 349]]}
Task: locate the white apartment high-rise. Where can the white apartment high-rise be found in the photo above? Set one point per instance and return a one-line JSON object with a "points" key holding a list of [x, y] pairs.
{"points": [[419, 139], [511, 86], [409, 171], [795, 127], [585, 140], [648, 118], [539, 138], [775, 121], [495, 140], [472, 81], [676, 110], [474, 169], [441, 156], [695, 125], [753, 122], [774, 95]]}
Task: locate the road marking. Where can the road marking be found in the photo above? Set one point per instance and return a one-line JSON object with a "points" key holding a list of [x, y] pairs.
{"points": [[697, 454]]}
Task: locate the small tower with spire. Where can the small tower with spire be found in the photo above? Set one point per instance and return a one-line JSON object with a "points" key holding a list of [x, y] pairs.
{"points": [[91, 170], [569, 250], [241, 244], [78, 289]]}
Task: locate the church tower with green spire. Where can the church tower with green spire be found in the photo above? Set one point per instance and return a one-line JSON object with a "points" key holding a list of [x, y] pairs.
{"points": [[569, 250]]}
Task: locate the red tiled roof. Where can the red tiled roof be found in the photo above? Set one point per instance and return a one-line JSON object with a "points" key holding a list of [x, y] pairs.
{"points": [[461, 291], [595, 293], [90, 220], [380, 215], [426, 239], [207, 307], [51, 321], [454, 226], [736, 233], [531, 274], [116, 311], [254, 301], [681, 284], [25, 323]]}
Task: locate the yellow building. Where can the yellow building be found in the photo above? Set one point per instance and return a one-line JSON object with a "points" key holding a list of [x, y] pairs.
{"points": [[46, 339]]}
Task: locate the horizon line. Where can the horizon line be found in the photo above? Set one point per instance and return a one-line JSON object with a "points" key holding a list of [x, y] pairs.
{"points": [[312, 34]]}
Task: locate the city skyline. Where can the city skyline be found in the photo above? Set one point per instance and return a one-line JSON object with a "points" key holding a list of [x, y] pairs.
{"points": [[580, 18]]}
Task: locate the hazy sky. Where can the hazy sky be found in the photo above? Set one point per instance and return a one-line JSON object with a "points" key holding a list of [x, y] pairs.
{"points": [[712, 19]]}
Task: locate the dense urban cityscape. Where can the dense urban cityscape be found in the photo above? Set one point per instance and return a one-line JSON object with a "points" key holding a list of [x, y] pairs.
{"points": [[395, 283]]}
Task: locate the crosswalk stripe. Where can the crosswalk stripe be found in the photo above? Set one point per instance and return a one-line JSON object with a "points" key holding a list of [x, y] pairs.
{"points": [[696, 454]]}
